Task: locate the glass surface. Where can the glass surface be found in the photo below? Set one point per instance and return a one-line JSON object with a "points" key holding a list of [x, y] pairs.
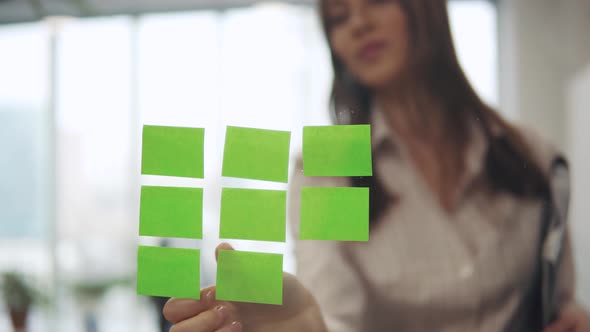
{"points": [[264, 66]]}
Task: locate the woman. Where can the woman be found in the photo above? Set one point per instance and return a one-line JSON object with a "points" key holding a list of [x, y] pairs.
{"points": [[457, 198]]}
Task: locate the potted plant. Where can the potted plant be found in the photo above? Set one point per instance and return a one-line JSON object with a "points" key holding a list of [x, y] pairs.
{"points": [[88, 294], [18, 298]]}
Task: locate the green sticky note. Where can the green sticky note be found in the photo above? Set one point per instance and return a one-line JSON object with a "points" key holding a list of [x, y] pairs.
{"points": [[337, 150], [173, 151], [334, 213], [171, 212], [251, 214], [257, 154], [168, 272], [249, 277]]}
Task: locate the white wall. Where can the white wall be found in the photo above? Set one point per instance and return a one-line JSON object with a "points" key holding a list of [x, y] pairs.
{"points": [[543, 44], [578, 120], [545, 82]]}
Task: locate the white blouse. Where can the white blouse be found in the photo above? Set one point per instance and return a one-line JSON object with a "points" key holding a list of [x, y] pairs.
{"points": [[424, 269]]}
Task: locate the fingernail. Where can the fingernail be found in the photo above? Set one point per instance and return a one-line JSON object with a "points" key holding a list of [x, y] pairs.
{"points": [[222, 312], [235, 327], [209, 296]]}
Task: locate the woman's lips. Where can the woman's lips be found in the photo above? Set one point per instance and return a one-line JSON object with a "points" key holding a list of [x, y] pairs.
{"points": [[370, 51]]}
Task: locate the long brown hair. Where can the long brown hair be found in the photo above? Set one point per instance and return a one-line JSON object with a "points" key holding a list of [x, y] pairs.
{"points": [[509, 165]]}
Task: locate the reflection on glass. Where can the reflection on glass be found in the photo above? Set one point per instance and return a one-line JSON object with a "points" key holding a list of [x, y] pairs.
{"points": [[264, 66]]}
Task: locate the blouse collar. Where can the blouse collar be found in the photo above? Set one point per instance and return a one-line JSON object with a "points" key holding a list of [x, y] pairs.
{"points": [[474, 157]]}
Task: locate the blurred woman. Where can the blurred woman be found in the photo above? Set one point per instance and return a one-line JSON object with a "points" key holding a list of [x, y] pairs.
{"points": [[459, 199]]}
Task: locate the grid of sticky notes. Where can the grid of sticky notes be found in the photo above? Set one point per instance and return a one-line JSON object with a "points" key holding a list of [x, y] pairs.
{"points": [[327, 213], [249, 277], [173, 151], [257, 154], [171, 212], [168, 272], [336, 213], [253, 214], [174, 212]]}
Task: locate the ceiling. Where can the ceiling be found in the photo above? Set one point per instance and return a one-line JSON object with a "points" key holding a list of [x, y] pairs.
{"points": [[14, 11]]}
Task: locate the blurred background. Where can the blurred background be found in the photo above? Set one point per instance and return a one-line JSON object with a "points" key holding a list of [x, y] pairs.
{"points": [[78, 79]]}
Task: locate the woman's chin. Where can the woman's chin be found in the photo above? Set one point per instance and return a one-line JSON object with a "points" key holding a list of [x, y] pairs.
{"points": [[379, 77], [378, 82]]}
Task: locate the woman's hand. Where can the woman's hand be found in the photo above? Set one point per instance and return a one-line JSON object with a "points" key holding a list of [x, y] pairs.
{"points": [[573, 318], [299, 311]]}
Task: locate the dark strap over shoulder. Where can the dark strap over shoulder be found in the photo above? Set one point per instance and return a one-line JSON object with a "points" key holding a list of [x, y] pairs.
{"points": [[554, 230]]}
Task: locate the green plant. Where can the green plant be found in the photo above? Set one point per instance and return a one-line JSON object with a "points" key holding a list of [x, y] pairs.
{"points": [[19, 294], [90, 289]]}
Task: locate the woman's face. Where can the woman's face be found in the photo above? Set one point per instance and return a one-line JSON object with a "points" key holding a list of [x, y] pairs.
{"points": [[370, 37]]}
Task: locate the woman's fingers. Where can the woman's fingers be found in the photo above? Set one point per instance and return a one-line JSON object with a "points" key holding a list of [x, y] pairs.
{"points": [[197, 315], [177, 310], [207, 321], [222, 246]]}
